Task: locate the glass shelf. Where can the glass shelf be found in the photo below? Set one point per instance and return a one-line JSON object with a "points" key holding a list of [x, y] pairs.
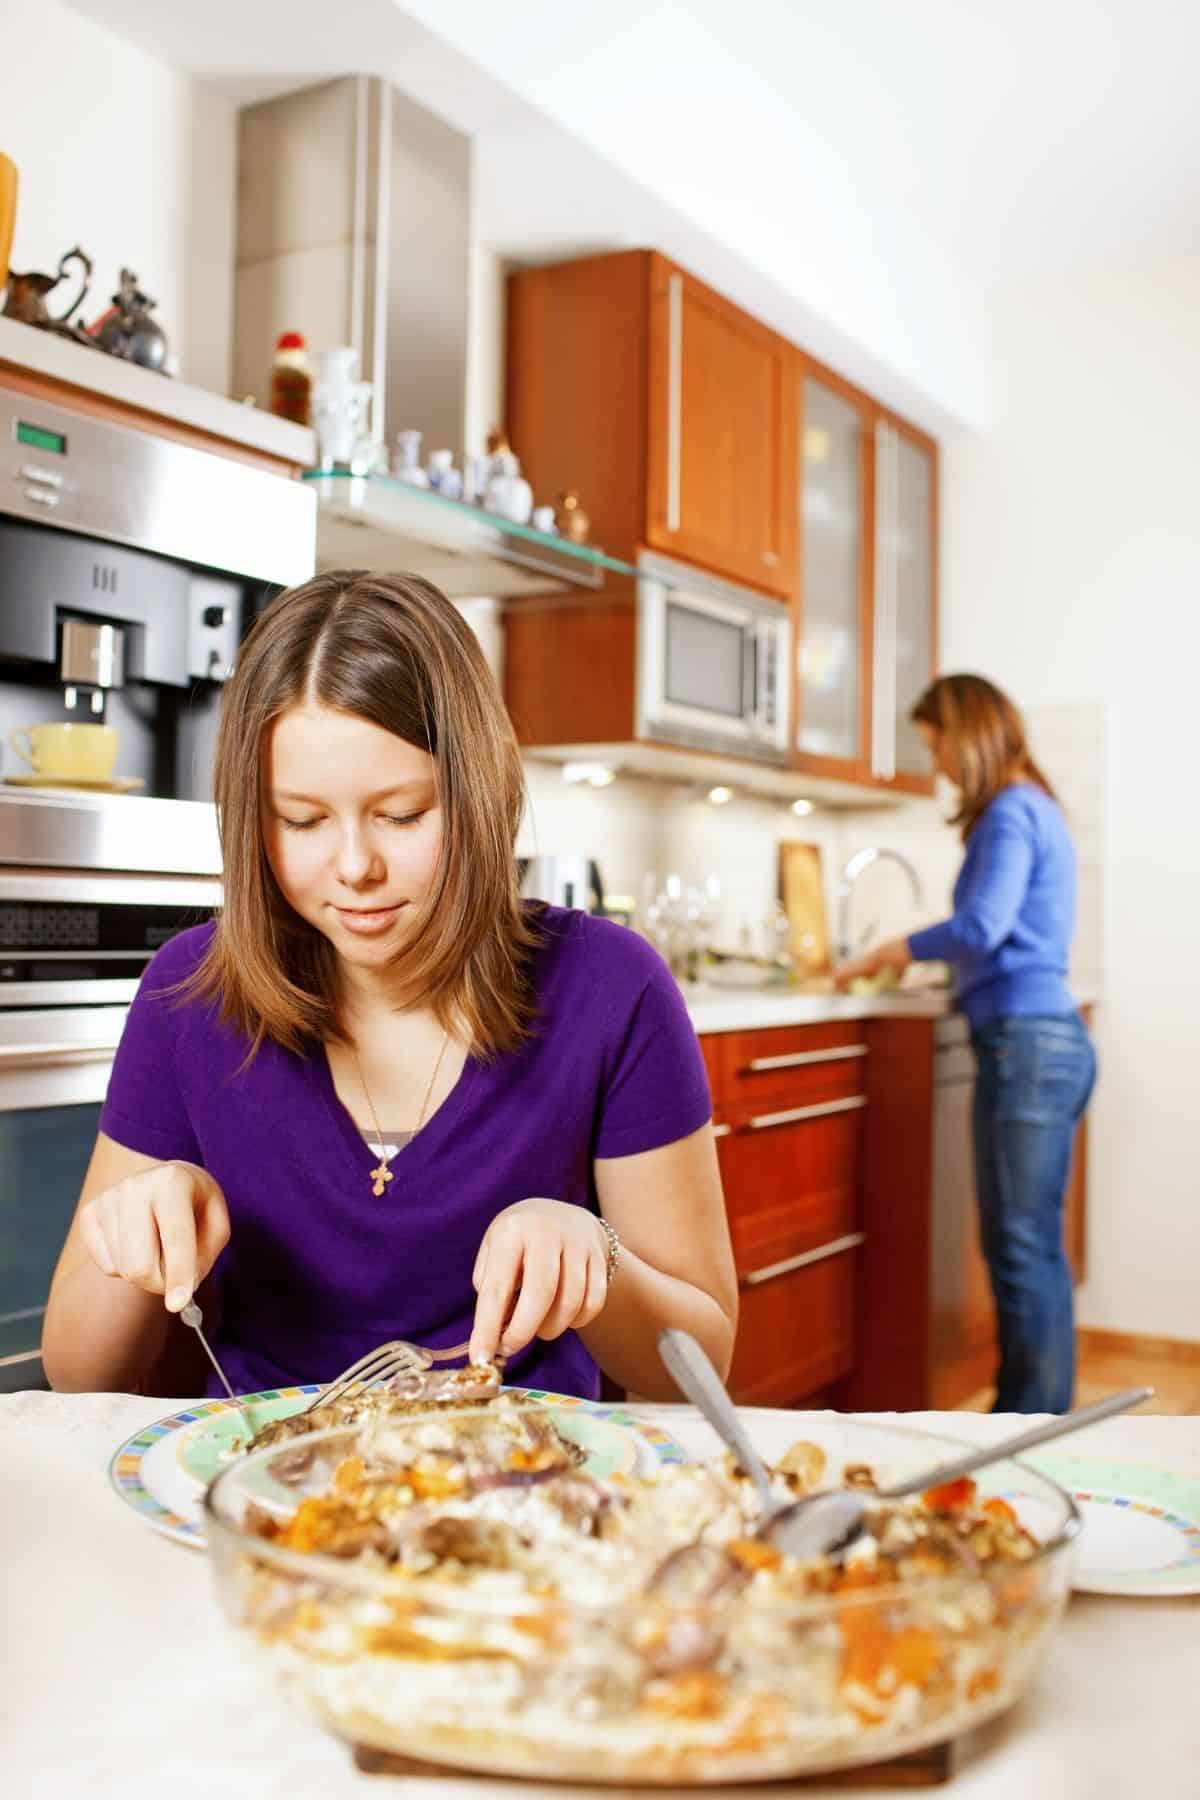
{"points": [[377, 522]]}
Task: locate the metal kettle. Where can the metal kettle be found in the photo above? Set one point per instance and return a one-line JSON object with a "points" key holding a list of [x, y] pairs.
{"points": [[26, 296]]}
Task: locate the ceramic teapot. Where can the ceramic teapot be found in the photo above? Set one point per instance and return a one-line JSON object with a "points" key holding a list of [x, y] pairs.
{"points": [[26, 296]]}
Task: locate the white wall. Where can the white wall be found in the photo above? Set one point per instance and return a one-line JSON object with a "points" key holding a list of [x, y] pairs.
{"points": [[1071, 573], [129, 159]]}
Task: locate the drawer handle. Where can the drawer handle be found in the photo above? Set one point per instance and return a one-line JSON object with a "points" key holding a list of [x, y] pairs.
{"points": [[722, 1130], [773, 1271], [764, 1121], [799, 1059]]}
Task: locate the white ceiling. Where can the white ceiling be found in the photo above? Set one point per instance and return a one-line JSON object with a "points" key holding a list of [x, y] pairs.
{"points": [[859, 171]]}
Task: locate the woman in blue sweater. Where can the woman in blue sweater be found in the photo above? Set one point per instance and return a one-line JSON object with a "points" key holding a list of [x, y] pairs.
{"points": [[1008, 942]]}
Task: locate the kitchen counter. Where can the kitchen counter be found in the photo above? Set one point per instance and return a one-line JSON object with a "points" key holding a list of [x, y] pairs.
{"points": [[45, 353], [751, 1009], [122, 1678]]}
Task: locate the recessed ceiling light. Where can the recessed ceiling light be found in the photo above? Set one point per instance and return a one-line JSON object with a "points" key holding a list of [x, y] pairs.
{"points": [[720, 796], [802, 808], [589, 774]]}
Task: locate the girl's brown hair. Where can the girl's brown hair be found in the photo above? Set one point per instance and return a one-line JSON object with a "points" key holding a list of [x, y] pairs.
{"points": [[393, 650], [988, 737]]}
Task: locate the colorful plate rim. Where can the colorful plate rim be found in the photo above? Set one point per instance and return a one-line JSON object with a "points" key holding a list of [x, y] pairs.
{"points": [[124, 1469], [1161, 1493]]}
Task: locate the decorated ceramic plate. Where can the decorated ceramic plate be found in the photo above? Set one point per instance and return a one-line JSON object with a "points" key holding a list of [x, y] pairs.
{"points": [[163, 1470], [1141, 1525]]}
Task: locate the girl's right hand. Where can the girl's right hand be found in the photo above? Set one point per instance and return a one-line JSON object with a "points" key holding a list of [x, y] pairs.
{"points": [[161, 1230]]}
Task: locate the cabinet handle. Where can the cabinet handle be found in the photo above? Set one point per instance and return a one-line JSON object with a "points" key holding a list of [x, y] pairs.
{"points": [[674, 396], [883, 662], [764, 1121], [722, 1130], [774, 1270], [799, 1059]]}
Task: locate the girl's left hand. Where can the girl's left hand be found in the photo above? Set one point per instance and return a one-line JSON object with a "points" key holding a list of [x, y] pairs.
{"points": [[548, 1257], [894, 954]]}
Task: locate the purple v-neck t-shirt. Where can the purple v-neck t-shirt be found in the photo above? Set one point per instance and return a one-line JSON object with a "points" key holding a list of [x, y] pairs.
{"points": [[317, 1270]]}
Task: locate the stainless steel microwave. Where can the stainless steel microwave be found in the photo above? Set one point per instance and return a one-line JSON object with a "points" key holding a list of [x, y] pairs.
{"points": [[713, 663]]}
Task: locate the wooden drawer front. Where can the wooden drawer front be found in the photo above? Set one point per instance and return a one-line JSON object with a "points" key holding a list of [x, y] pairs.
{"points": [[796, 1330], [710, 1050], [791, 1187], [790, 1065]]}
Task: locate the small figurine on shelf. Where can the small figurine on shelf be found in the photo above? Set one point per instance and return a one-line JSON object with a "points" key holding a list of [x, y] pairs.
{"points": [[572, 521], [507, 492], [127, 330], [291, 379], [543, 520], [406, 463], [444, 478]]}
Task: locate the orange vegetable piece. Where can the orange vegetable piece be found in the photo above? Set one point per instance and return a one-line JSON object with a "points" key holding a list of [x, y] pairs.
{"points": [[952, 1496], [986, 1682], [1000, 1509], [349, 1475], [751, 1554], [915, 1655]]}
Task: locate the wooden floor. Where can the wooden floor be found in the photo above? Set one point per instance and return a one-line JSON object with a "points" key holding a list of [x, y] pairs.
{"points": [[1103, 1368]]}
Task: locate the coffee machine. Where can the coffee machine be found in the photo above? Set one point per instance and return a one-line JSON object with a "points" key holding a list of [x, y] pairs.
{"points": [[130, 569]]}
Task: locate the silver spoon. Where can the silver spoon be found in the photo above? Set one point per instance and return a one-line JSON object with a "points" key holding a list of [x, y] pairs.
{"points": [[827, 1523]]}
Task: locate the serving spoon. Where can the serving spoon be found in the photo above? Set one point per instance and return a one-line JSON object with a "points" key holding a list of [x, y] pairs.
{"points": [[827, 1523]]}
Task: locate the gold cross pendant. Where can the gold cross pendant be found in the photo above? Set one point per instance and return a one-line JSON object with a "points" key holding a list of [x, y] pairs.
{"points": [[379, 1176]]}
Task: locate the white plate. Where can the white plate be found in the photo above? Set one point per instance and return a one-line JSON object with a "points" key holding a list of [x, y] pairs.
{"points": [[1141, 1525], [163, 1470]]}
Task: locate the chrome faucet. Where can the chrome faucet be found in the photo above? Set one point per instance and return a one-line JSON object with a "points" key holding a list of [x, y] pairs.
{"points": [[862, 859]]}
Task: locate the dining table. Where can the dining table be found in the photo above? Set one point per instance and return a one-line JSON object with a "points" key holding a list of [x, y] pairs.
{"points": [[120, 1676]]}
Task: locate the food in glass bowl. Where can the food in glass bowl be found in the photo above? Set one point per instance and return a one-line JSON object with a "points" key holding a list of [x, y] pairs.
{"points": [[457, 1588]]}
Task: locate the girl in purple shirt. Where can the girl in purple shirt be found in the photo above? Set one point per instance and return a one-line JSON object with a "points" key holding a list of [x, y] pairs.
{"points": [[378, 1097]]}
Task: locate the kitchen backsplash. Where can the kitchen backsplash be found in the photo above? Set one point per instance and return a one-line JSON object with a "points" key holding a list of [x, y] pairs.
{"points": [[634, 827]]}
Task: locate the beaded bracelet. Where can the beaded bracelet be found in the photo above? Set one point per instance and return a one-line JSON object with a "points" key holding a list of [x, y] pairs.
{"points": [[612, 1251]]}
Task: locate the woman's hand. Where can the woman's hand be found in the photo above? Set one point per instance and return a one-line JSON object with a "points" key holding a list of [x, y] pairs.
{"points": [[551, 1259], [894, 956], [161, 1230]]}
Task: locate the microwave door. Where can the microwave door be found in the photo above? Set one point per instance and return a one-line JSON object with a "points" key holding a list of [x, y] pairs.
{"points": [[707, 673]]}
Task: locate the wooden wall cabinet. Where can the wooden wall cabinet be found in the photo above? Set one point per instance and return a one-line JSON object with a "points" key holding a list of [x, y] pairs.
{"points": [[690, 428], [669, 409]]}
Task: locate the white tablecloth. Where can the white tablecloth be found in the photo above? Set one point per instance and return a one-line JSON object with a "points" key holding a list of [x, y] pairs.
{"points": [[119, 1676]]}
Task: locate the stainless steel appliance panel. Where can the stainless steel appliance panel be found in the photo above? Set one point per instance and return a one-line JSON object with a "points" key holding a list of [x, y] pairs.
{"points": [[87, 475]]}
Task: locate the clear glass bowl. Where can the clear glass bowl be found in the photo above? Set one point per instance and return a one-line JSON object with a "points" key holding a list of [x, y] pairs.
{"points": [[609, 1684]]}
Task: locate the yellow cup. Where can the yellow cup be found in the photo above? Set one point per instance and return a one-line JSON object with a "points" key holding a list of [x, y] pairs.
{"points": [[68, 752]]}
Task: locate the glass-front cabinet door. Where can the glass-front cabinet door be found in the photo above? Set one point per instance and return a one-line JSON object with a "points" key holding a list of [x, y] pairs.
{"points": [[915, 531], [904, 602], [831, 690]]}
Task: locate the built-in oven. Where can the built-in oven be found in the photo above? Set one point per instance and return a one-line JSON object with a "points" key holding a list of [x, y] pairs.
{"points": [[713, 663], [90, 887]]}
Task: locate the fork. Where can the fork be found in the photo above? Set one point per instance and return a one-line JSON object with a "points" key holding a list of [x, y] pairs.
{"points": [[381, 1365]]}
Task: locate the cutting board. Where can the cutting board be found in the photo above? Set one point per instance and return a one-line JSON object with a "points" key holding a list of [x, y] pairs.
{"points": [[802, 893]]}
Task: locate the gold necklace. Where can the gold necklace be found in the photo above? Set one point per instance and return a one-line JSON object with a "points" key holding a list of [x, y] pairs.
{"points": [[381, 1174]]}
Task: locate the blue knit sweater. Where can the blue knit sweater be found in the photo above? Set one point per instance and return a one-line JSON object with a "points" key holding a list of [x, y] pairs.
{"points": [[1014, 911]]}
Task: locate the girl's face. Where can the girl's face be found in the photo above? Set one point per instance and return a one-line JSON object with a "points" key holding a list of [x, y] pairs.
{"points": [[941, 751], [352, 827]]}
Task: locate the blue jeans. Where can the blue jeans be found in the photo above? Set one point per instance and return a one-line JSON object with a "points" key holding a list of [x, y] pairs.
{"points": [[1035, 1077]]}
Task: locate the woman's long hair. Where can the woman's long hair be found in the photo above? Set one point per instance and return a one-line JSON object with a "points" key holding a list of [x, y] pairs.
{"points": [[987, 737], [390, 649]]}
